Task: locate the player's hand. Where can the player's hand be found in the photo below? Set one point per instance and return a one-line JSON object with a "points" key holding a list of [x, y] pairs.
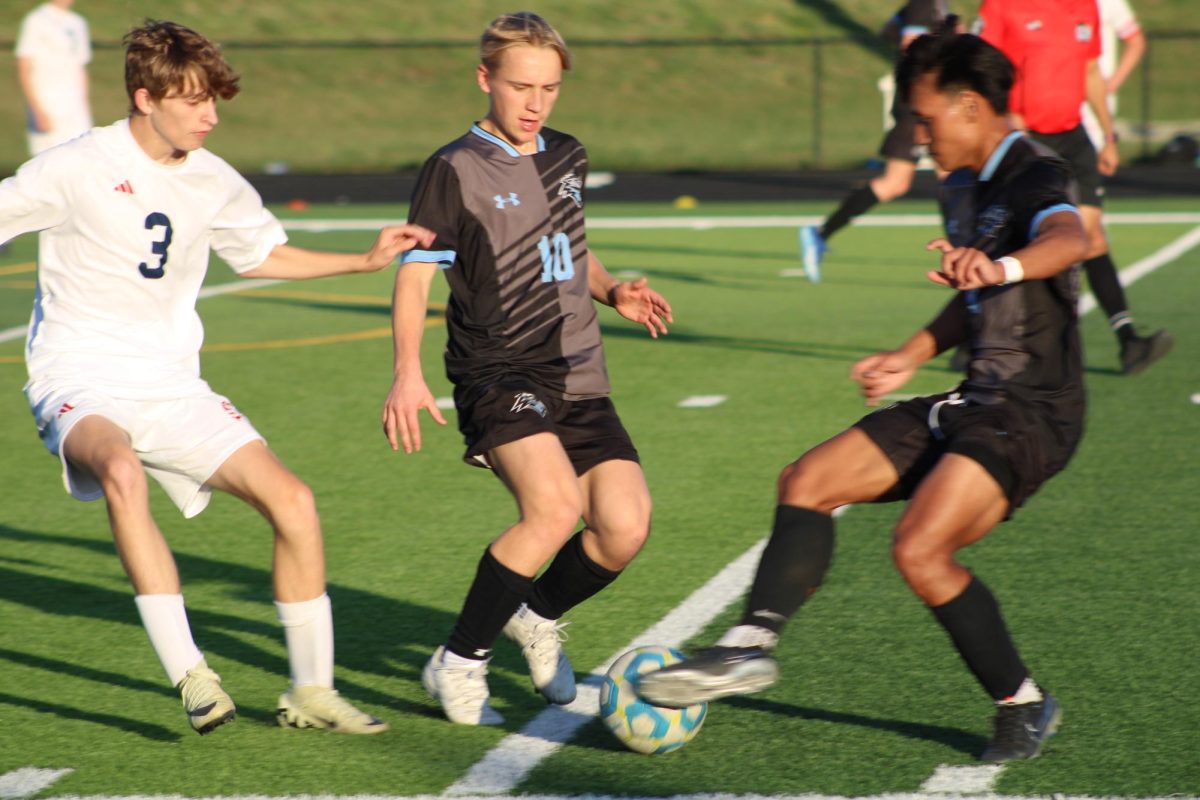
{"points": [[401, 424], [964, 268], [1108, 159], [637, 302], [394, 240], [879, 374]]}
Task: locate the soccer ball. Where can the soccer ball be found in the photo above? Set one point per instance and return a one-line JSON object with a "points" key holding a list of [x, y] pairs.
{"points": [[639, 725]]}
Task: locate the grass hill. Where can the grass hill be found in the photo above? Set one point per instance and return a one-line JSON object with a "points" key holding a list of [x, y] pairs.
{"points": [[335, 87]]}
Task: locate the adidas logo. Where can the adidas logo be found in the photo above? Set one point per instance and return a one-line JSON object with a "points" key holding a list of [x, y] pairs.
{"points": [[124, 187]]}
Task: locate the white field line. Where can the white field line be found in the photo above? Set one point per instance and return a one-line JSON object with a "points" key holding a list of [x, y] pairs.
{"points": [[633, 223], [702, 401], [1140, 269], [708, 223], [28, 780], [507, 764], [963, 779]]}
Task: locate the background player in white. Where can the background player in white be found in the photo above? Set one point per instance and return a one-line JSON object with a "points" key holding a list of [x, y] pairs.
{"points": [[1117, 24], [127, 215], [53, 51]]}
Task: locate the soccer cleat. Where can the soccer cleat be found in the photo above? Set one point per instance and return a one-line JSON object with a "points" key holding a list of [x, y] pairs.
{"points": [[541, 643], [205, 702], [812, 250], [1021, 729], [323, 707], [710, 675], [462, 690], [1142, 351]]}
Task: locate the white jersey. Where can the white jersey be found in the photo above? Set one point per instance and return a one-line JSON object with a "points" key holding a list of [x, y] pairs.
{"points": [[1117, 23], [56, 42], [123, 250]]}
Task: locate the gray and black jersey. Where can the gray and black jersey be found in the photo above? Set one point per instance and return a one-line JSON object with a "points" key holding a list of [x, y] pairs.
{"points": [[511, 240], [1023, 337]]}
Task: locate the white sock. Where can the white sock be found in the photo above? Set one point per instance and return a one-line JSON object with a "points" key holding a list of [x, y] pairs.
{"points": [[1027, 692], [308, 631], [749, 636], [165, 620], [455, 660]]}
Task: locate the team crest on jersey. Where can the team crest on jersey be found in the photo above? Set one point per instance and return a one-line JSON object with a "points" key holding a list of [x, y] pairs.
{"points": [[991, 221], [527, 400], [571, 186], [1083, 32]]}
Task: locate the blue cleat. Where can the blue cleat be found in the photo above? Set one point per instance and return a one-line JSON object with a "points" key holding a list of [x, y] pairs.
{"points": [[812, 250]]}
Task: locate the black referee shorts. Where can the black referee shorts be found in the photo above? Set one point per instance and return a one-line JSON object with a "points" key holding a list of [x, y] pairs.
{"points": [[590, 430], [1021, 450], [1075, 147]]}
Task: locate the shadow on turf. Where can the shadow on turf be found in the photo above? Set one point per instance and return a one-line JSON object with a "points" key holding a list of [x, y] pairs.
{"points": [[954, 738], [376, 635]]}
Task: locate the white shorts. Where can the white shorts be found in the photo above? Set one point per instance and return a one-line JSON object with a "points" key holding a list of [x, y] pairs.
{"points": [[180, 442]]}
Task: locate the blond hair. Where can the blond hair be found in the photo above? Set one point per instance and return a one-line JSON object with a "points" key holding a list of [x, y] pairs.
{"points": [[162, 57], [520, 28]]}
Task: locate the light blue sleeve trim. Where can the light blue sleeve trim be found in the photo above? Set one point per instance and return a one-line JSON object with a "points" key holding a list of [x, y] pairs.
{"points": [[443, 258], [1045, 212], [914, 30]]}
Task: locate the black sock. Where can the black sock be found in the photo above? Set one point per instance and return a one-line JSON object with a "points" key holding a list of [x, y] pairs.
{"points": [[1102, 276], [975, 625], [571, 578], [859, 201], [496, 593], [791, 568]]}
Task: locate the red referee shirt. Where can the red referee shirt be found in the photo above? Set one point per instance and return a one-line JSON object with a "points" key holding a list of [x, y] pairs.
{"points": [[1049, 43]]}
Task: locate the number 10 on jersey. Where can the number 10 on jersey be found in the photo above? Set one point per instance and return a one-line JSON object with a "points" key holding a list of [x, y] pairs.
{"points": [[556, 258]]}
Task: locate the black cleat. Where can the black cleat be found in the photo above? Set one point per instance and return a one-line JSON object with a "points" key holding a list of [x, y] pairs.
{"points": [[709, 675], [1021, 729], [1142, 351]]}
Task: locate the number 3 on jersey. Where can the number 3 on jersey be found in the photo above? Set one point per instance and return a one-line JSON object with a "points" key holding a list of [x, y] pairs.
{"points": [[556, 258], [159, 248]]}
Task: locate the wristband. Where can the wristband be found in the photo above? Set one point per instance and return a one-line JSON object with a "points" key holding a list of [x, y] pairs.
{"points": [[1013, 271]]}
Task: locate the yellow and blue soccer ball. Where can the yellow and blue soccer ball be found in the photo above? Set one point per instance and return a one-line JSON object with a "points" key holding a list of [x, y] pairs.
{"points": [[640, 726]]}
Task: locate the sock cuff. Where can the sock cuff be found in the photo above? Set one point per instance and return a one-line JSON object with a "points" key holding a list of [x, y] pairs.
{"points": [[303, 612], [577, 548], [513, 581], [793, 517], [146, 602]]}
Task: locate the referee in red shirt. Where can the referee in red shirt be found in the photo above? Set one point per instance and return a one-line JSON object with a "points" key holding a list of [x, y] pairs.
{"points": [[1054, 47]]}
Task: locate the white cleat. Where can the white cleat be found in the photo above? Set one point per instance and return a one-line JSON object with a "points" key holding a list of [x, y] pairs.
{"points": [[204, 700], [462, 690], [541, 643], [322, 707]]}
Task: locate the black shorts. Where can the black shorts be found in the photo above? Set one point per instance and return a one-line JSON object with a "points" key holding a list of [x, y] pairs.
{"points": [[900, 141], [1075, 147], [590, 430], [1020, 449]]}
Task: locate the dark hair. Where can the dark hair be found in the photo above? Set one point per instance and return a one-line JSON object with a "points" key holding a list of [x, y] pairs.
{"points": [[162, 57], [960, 61]]}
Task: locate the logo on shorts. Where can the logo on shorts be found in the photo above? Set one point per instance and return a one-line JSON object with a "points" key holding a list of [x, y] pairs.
{"points": [[64, 409], [230, 410], [570, 186], [526, 400]]}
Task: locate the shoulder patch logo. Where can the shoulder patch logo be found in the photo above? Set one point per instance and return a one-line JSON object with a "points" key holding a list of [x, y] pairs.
{"points": [[1083, 32], [502, 201], [571, 186]]}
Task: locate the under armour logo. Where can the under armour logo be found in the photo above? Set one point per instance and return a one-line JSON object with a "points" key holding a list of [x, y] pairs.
{"points": [[502, 201]]}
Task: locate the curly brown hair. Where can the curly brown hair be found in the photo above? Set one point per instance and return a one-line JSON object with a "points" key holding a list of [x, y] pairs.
{"points": [[163, 57]]}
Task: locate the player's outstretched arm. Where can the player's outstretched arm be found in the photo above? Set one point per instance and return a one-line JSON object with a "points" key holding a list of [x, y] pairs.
{"points": [[409, 392], [885, 372], [633, 300], [1060, 242], [296, 263]]}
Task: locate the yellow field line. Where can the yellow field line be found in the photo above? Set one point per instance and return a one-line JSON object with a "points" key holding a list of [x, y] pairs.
{"points": [[18, 269]]}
